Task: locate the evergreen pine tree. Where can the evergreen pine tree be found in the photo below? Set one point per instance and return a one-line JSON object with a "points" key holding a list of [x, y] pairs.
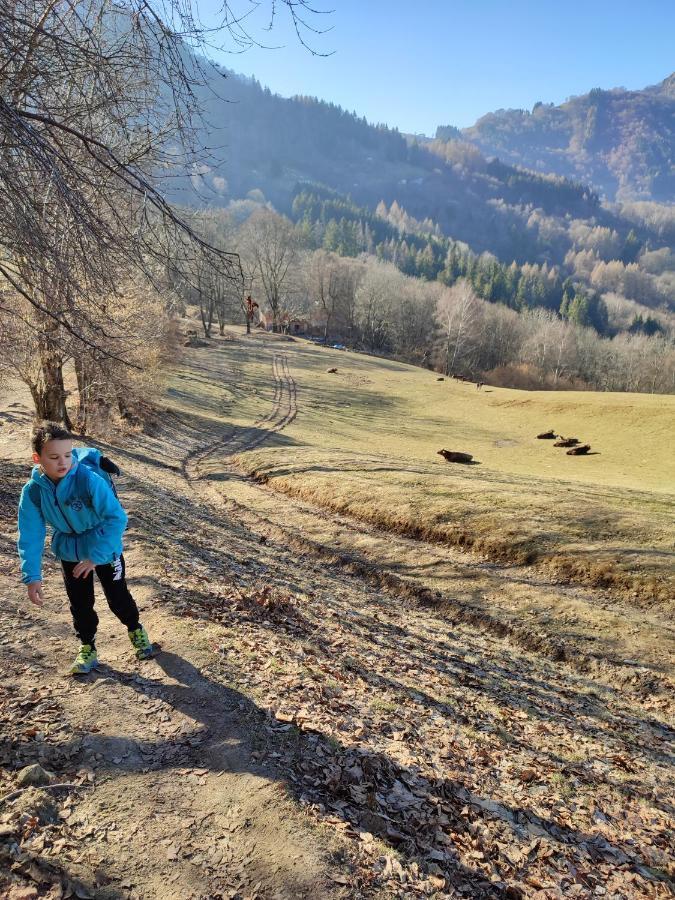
{"points": [[331, 236], [631, 248], [637, 325], [306, 233], [578, 312], [597, 313], [426, 263]]}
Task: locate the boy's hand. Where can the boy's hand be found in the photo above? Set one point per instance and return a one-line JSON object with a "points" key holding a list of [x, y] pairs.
{"points": [[84, 568], [35, 593]]}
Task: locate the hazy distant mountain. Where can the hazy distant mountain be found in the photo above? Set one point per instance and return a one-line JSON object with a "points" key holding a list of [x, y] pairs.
{"points": [[622, 142], [263, 141], [277, 147]]}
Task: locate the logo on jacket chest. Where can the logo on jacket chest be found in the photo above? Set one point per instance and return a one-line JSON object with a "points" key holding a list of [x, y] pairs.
{"points": [[76, 504]]}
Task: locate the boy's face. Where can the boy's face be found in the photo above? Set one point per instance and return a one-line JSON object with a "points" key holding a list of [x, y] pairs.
{"points": [[56, 458]]}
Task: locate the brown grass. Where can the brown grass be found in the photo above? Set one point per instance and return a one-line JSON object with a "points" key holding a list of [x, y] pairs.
{"points": [[544, 537], [365, 441]]}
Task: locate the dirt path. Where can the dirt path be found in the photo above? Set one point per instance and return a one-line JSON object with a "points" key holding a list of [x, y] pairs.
{"points": [[309, 728], [173, 802], [284, 410]]}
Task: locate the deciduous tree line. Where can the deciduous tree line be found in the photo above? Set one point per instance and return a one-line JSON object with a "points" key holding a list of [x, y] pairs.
{"points": [[371, 305]]}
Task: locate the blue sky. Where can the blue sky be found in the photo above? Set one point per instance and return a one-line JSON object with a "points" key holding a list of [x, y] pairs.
{"points": [[420, 64]]}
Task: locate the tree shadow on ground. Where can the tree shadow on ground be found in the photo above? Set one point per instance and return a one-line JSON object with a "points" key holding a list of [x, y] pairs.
{"points": [[421, 818], [15, 414], [224, 722]]}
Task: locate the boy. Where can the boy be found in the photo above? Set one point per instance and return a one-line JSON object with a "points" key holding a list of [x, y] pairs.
{"points": [[87, 522]]}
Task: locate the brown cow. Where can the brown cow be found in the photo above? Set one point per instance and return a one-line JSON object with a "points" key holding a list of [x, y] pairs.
{"points": [[547, 436], [455, 456], [566, 442], [579, 451]]}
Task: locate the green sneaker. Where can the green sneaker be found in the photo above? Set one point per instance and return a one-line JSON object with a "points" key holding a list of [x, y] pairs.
{"points": [[85, 661], [141, 643]]}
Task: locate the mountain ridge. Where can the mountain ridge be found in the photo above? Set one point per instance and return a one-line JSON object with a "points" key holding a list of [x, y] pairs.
{"points": [[619, 141], [514, 213]]}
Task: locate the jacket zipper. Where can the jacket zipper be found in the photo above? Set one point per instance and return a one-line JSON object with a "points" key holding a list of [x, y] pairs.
{"points": [[67, 521]]}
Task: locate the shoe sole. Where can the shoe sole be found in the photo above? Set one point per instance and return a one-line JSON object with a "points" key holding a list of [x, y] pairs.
{"points": [[86, 671], [148, 654]]}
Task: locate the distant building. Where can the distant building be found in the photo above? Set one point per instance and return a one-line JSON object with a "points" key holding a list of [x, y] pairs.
{"points": [[287, 324], [297, 326]]}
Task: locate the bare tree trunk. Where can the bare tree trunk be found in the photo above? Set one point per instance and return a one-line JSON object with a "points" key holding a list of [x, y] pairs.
{"points": [[206, 317], [84, 390], [220, 315], [274, 303], [220, 304], [125, 409], [82, 407], [49, 394]]}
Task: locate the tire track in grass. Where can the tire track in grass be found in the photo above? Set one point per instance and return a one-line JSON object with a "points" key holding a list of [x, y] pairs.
{"points": [[283, 412]]}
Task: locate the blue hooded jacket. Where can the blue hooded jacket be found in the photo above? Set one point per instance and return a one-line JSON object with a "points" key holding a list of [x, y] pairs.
{"points": [[86, 518]]}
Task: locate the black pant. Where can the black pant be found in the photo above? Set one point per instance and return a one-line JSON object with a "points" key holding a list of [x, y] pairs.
{"points": [[81, 595]]}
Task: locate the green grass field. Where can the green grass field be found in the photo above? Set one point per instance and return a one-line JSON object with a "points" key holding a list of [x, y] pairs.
{"points": [[365, 442]]}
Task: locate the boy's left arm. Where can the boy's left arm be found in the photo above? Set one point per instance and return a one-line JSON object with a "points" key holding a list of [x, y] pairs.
{"points": [[105, 538]]}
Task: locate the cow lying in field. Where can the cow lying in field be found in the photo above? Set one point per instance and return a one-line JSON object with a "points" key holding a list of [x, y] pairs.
{"points": [[566, 442], [547, 436], [579, 451], [455, 456]]}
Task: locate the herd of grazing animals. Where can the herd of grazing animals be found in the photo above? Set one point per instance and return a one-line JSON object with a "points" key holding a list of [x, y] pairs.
{"points": [[576, 449]]}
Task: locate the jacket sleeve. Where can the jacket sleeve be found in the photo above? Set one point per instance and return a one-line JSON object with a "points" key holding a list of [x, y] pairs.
{"points": [[31, 542], [104, 540]]}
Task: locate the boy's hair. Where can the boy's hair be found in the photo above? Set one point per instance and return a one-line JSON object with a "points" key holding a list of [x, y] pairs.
{"points": [[43, 432]]}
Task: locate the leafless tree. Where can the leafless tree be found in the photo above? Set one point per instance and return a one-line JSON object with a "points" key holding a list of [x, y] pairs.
{"points": [[374, 298], [98, 100], [332, 283], [548, 344], [501, 336], [271, 246], [458, 311]]}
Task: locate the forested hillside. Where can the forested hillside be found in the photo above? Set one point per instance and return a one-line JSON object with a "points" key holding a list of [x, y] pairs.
{"points": [[619, 141], [599, 276], [445, 191], [330, 221], [270, 143]]}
